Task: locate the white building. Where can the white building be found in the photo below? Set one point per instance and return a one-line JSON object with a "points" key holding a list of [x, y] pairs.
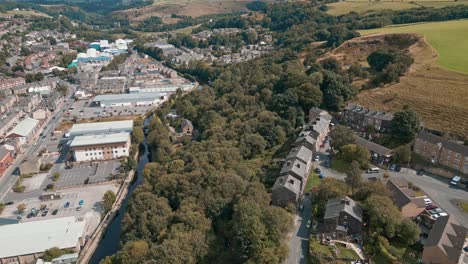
{"points": [[100, 147], [25, 130], [20, 242], [132, 99], [101, 128]]}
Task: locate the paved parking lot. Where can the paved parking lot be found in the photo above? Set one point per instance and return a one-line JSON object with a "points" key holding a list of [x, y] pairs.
{"points": [[91, 196], [90, 173], [82, 110]]}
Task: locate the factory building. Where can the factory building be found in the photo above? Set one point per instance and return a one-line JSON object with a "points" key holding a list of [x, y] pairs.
{"points": [[100, 147], [101, 128], [132, 99]]}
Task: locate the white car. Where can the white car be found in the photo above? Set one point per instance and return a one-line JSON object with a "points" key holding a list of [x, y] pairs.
{"points": [[427, 201], [317, 158]]}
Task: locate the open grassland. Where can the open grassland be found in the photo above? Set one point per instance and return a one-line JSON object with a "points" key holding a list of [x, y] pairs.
{"points": [[449, 39], [439, 95], [363, 6]]}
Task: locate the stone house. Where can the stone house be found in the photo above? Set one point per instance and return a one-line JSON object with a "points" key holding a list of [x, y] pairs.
{"points": [[187, 127], [359, 117], [343, 216], [286, 191], [442, 151], [379, 153]]}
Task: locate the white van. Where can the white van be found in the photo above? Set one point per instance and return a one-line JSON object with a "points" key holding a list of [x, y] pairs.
{"points": [[456, 180], [373, 170]]}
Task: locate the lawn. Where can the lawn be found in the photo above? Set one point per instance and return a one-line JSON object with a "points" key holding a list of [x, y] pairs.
{"points": [[336, 251], [463, 205], [360, 6], [448, 38], [312, 181], [340, 165]]}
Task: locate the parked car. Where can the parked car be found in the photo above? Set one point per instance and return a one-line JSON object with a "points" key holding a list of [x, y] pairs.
{"points": [[373, 170], [427, 201], [420, 172], [455, 180], [78, 208], [301, 208], [397, 168], [67, 204], [431, 207], [45, 212], [321, 175], [81, 202], [392, 167], [317, 158], [9, 203], [54, 212], [317, 170], [308, 224], [436, 211]]}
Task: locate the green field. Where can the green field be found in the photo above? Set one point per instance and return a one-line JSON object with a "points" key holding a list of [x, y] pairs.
{"points": [[363, 6], [448, 38]]}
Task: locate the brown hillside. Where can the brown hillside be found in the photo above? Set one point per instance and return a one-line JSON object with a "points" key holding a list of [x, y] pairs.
{"points": [[440, 96]]}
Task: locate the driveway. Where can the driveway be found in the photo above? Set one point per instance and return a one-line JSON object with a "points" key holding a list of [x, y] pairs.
{"points": [[299, 237]]}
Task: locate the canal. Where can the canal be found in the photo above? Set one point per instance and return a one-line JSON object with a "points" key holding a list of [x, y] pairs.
{"points": [[110, 242]]}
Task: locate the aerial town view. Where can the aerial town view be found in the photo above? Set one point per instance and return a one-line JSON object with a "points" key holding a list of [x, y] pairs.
{"points": [[233, 131]]}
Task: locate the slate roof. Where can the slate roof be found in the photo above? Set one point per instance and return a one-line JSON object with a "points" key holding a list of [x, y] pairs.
{"points": [[376, 148], [295, 166], [301, 153], [448, 235], [186, 123], [401, 194], [337, 205], [447, 144], [3, 152], [288, 182]]}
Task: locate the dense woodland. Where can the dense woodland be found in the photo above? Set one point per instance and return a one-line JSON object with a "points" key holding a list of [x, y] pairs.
{"points": [[206, 200]]}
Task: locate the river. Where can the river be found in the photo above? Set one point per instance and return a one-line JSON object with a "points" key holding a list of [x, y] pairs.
{"points": [[110, 242]]}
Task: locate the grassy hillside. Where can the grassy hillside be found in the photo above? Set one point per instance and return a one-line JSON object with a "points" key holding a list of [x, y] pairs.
{"points": [[437, 94], [363, 6], [449, 39]]}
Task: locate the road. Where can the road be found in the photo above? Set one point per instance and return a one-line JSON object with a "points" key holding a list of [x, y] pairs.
{"points": [[437, 188], [299, 237], [9, 178]]}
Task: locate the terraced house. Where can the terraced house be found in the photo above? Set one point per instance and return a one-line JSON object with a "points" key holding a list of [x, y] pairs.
{"points": [[359, 118], [296, 169], [442, 151]]}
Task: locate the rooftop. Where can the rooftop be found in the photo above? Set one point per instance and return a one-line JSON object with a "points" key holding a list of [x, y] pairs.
{"points": [[126, 97], [458, 148], [448, 236], [288, 182], [113, 126], [24, 127], [376, 148], [100, 139], [38, 236], [337, 205]]}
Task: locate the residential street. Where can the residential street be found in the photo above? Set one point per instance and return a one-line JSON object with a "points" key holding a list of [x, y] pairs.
{"points": [[9, 178], [299, 243], [437, 188]]}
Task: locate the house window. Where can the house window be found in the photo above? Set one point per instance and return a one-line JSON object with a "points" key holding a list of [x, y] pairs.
{"points": [[116, 151], [86, 154], [457, 155], [123, 151]]}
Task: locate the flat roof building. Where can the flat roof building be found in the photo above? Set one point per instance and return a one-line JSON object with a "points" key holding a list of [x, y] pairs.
{"points": [[100, 147], [25, 240], [24, 130], [131, 99], [101, 128]]}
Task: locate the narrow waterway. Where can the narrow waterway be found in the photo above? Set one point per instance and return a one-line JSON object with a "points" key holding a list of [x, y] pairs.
{"points": [[110, 243]]}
